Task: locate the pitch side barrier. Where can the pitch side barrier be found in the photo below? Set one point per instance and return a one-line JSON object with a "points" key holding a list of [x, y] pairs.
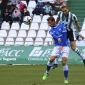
{"points": [[22, 55]]}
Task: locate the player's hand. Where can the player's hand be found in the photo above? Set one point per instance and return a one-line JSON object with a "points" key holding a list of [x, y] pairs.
{"points": [[81, 36], [59, 40], [60, 48]]}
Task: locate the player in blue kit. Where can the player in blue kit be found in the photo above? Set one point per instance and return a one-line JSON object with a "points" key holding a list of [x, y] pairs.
{"points": [[61, 47]]}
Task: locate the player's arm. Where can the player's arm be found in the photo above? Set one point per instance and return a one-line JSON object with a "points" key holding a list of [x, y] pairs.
{"points": [[53, 35], [79, 30], [58, 18], [57, 38], [77, 26]]}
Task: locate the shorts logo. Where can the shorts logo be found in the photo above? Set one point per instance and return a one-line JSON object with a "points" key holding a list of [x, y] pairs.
{"points": [[36, 52]]}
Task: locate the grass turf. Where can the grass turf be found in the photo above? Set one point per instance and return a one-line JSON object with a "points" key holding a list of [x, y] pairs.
{"points": [[32, 75]]}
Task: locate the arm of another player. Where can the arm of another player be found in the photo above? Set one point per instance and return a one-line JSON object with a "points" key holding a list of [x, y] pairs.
{"points": [[79, 30]]}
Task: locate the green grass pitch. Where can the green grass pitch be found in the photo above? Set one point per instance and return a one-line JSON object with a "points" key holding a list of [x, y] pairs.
{"points": [[32, 75]]}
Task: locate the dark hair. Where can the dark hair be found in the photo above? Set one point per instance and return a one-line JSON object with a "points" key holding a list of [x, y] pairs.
{"points": [[50, 18], [64, 6]]}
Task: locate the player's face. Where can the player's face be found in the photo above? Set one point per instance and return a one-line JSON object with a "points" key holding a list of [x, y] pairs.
{"points": [[51, 23], [65, 11]]}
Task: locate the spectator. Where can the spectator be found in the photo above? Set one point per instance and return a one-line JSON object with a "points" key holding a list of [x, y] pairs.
{"points": [[7, 16], [47, 8], [14, 2], [57, 5], [2, 7], [10, 7], [40, 3], [16, 15], [20, 5], [26, 16], [5, 1], [38, 10]]}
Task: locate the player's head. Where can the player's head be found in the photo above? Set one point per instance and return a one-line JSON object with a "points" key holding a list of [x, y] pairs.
{"points": [[51, 21], [65, 10]]}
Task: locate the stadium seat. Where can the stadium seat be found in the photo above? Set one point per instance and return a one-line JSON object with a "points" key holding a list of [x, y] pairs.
{"points": [[9, 41], [31, 4], [34, 26], [41, 34], [22, 33], [36, 18], [15, 26], [48, 35], [12, 33], [1, 41], [44, 19], [24, 26], [43, 26], [83, 26], [30, 10], [38, 41], [5, 26], [55, 17], [3, 33], [19, 41], [48, 41], [31, 34], [28, 41]]}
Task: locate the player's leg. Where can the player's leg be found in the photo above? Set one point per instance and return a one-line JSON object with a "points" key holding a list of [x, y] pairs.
{"points": [[72, 37], [64, 63], [76, 50], [56, 60], [65, 69], [54, 54], [49, 64], [55, 63]]}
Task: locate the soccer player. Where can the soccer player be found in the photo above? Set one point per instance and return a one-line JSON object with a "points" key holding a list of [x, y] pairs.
{"points": [[61, 47], [68, 18]]}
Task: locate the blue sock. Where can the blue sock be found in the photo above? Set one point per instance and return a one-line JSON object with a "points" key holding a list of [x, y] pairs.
{"points": [[65, 70], [48, 67]]}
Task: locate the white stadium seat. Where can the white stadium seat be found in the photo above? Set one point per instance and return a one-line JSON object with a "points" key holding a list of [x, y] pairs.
{"points": [[15, 26], [5, 26], [22, 33], [1, 41], [83, 26], [48, 35], [41, 33], [31, 34], [55, 16], [31, 4], [28, 41], [19, 41], [38, 41], [12, 33], [43, 26], [3, 33], [30, 10], [9, 41], [24, 26], [48, 41], [36, 18], [44, 19], [34, 26]]}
